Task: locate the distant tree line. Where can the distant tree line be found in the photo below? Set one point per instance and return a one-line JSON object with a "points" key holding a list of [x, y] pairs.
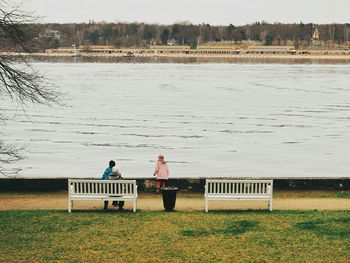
{"points": [[142, 35]]}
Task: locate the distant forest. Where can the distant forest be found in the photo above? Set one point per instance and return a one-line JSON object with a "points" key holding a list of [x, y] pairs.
{"points": [[142, 35]]}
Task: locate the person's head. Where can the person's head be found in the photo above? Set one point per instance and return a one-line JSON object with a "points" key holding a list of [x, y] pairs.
{"points": [[161, 158], [111, 163]]}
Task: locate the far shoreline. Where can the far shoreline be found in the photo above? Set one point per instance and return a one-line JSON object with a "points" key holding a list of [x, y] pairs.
{"points": [[186, 58]]}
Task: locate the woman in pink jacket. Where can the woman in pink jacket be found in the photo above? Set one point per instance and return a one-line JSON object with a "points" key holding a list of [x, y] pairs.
{"points": [[162, 172]]}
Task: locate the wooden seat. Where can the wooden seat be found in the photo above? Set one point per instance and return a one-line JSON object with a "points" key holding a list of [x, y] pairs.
{"points": [[107, 190], [218, 189]]}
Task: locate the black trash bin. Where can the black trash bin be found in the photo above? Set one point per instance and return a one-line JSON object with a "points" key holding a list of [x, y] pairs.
{"points": [[169, 197]]}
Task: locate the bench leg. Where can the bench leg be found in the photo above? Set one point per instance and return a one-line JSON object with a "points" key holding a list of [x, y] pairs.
{"points": [[70, 204], [206, 205], [134, 206], [270, 205]]}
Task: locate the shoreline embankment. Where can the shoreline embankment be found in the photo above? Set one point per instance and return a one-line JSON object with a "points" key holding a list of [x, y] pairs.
{"points": [[184, 184]]}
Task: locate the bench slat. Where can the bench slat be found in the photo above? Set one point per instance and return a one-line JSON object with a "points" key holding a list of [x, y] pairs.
{"points": [[105, 187], [219, 189], [79, 189]]}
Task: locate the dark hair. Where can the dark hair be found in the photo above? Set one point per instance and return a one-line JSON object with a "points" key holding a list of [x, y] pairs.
{"points": [[111, 163]]}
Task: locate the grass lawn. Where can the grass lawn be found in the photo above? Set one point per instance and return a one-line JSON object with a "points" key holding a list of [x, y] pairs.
{"points": [[230, 236]]}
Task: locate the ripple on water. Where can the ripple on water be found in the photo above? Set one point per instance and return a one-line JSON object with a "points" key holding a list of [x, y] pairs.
{"points": [[208, 119]]}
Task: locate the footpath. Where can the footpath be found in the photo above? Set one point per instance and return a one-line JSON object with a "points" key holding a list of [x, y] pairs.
{"points": [[184, 202]]}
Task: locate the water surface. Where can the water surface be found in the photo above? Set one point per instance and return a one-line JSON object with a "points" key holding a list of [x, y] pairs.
{"points": [[229, 120]]}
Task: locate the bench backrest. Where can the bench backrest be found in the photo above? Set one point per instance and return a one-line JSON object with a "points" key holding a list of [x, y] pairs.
{"points": [[102, 187], [239, 187]]}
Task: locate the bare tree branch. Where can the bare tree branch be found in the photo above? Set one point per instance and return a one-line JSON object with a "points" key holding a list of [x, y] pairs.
{"points": [[19, 81], [10, 153]]}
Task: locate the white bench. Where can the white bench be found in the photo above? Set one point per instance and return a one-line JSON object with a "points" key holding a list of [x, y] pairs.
{"points": [[106, 190], [217, 189]]}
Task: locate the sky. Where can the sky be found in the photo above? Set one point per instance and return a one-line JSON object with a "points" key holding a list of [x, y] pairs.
{"points": [[215, 12]]}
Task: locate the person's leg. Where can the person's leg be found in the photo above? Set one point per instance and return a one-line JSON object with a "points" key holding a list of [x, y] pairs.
{"points": [[165, 183], [121, 204], [106, 205], [158, 185]]}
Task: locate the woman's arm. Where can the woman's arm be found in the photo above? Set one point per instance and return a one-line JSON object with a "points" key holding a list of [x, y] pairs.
{"points": [[156, 169]]}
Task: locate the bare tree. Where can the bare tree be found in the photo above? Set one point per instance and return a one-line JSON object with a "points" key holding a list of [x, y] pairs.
{"points": [[19, 81]]}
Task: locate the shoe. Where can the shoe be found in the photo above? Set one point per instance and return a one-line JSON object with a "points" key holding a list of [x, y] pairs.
{"points": [[121, 208]]}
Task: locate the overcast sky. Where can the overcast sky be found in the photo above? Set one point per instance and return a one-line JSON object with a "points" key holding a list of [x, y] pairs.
{"points": [[216, 12]]}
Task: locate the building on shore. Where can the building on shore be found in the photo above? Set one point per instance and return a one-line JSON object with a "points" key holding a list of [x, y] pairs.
{"points": [[201, 50], [218, 50], [170, 49], [341, 51], [98, 51], [316, 35], [271, 50]]}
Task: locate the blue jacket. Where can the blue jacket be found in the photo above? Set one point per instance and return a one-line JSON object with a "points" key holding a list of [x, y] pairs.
{"points": [[106, 174]]}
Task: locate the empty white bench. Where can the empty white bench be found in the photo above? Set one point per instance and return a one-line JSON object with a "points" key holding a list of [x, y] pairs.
{"points": [[106, 190], [217, 189]]}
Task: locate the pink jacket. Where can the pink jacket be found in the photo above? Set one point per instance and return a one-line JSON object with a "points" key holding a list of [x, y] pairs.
{"points": [[161, 170]]}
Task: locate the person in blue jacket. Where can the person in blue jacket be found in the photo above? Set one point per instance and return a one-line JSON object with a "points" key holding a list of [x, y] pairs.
{"points": [[107, 173]]}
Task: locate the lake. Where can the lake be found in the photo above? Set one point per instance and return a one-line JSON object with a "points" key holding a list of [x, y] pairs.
{"points": [[209, 120]]}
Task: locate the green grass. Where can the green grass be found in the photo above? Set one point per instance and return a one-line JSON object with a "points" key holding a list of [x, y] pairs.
{"points": [[230, 227], [338, 195], [332, 228], [225, 236]]}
